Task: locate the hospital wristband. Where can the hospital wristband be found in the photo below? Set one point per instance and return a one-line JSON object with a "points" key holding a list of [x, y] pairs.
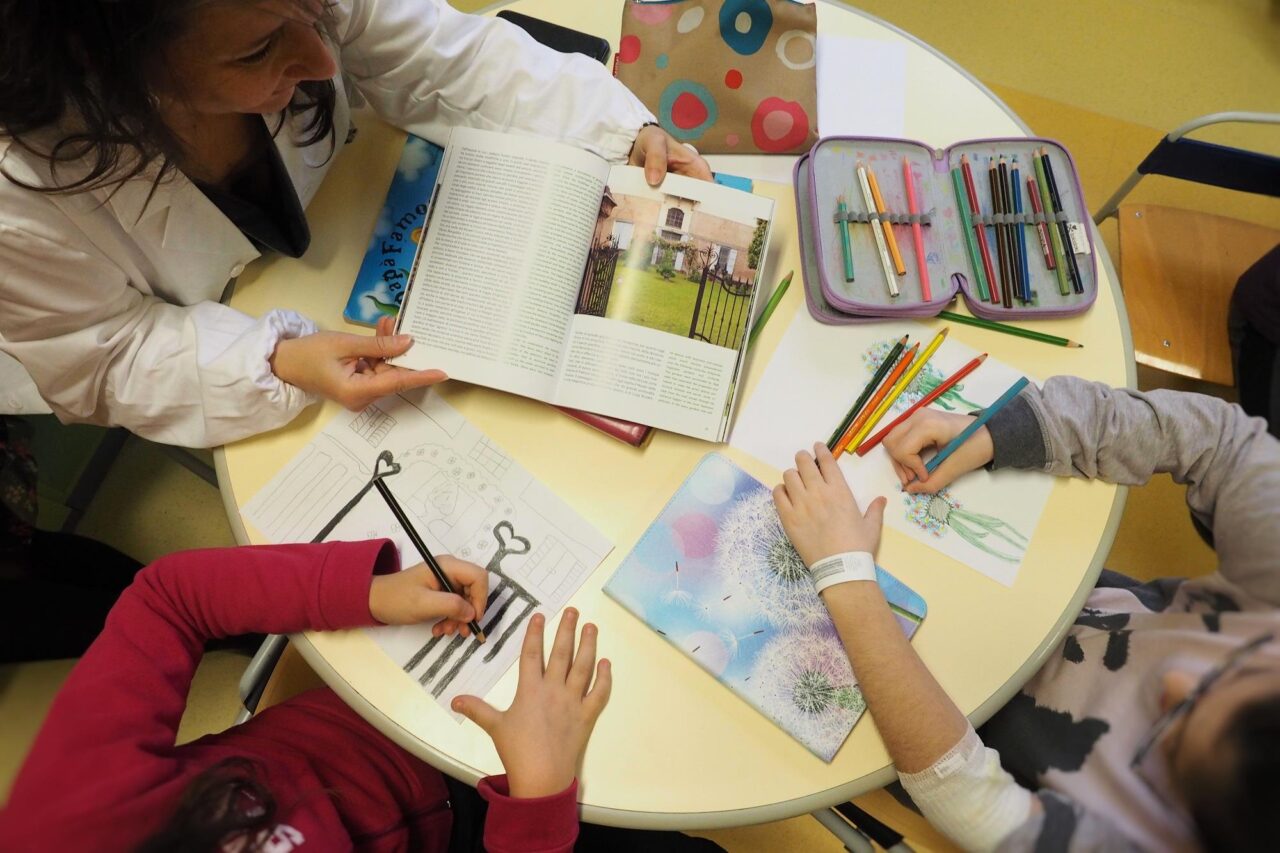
{"points": [[842, 568]]}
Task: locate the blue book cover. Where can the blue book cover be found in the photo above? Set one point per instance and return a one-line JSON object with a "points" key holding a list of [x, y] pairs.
{"points": [[384, 273], [716, 576]]}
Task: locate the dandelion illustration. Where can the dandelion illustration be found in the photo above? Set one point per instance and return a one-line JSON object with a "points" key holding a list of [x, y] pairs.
{"points": [[732, 641], [802, 680], [926, 380], [677, 595], [757, 558], [935, 514]]}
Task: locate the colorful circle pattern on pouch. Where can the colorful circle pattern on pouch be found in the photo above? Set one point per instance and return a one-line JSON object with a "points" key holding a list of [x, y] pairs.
{"points": [[779, 125], [687, 110], [745, 24]]}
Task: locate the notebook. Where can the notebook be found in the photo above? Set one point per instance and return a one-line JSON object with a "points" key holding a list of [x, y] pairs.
{"points": [[716, 577]]}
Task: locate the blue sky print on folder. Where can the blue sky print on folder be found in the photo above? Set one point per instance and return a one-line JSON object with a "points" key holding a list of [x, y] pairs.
{"points": [[716, 577]]}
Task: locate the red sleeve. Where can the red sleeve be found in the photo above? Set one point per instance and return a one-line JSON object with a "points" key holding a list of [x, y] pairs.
{"points": [[109, 736], [535, 825]]}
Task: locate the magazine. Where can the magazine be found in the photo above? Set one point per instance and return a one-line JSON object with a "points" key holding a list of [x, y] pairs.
{"points": [[546, 272]]}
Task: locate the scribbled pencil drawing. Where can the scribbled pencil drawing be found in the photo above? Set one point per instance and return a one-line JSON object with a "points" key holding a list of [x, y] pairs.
{"points": [[937, 513], [372, 424], [926, 380], [508, 596]]}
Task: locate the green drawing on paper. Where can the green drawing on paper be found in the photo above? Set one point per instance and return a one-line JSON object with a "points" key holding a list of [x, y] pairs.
{"points": [[936, 514], [926, 380]]}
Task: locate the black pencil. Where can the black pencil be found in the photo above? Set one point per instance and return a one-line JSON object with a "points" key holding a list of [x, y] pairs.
{"points": [[1073, 268], [876, 378], [1006, 207], [423, 551], [1002, 242]]}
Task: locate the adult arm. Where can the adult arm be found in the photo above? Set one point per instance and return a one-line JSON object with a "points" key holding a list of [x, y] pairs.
{"points": [[428, 68]]}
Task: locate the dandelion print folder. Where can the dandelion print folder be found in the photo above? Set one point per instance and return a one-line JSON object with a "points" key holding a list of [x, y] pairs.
{"points": [[716, 577]]}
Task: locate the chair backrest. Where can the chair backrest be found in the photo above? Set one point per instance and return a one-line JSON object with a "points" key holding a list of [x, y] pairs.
{"points": [[1176, 156]]}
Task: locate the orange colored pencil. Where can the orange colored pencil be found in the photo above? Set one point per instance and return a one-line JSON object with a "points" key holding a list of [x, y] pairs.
{"points": [[867, 445], [898, 266], [907, 357]]}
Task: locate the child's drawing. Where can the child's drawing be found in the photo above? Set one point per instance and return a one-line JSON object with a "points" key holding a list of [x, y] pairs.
{"points": [[926, 380], [717, 577], [937, 513]]}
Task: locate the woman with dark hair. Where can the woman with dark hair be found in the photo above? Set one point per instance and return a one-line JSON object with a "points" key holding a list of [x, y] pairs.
{"points": [[309, 773], [150, 149]]}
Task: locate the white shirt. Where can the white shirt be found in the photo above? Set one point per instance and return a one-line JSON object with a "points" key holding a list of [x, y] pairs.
{"points": [[110, 301]]}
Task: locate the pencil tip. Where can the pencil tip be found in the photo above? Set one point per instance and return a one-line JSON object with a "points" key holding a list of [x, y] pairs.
{"points": [[1075, 345]]}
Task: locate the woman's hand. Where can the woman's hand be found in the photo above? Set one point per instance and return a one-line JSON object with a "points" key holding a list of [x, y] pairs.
{"points": [[660, 152], [542, 736], [929, 428], [819, 512], [413, 596], [350, 369]]}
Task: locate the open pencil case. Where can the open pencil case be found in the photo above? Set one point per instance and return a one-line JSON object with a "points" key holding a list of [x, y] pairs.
{"points": [[1059, 273]]}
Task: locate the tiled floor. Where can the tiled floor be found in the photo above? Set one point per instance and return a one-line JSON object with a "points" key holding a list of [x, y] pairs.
{"points": [[1106, 77]]}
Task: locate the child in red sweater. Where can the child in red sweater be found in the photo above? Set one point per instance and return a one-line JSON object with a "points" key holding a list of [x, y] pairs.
{"points": [[308, 774]]}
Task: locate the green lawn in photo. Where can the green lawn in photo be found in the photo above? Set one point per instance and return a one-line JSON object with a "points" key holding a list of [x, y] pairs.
{"points": [[643, 297]]}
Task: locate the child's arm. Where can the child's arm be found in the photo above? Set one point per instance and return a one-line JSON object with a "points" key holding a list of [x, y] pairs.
{"points": [[109, 736], [1228, 461], [541, 739]]}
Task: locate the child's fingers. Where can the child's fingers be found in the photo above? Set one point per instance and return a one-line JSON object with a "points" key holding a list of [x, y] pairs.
{"points": [[808, 470], [478, 711], [531, 652], [875, 512], [828, 466], [795, 486], [781, 500], [584, 662], [561, 657], [598, 696]]}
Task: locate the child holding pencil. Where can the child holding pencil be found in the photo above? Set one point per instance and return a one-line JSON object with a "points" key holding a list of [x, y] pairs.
{"points": [[309, 773], [1155, 724]]}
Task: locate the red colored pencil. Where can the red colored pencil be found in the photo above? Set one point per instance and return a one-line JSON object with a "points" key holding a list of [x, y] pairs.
{"points": [[924, 401], [917, 235], [892, 379], [976, 209], [1041, 228]]}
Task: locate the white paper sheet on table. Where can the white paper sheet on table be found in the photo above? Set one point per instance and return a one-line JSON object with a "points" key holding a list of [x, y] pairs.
{"points": [[467, 498], [816, 373]]}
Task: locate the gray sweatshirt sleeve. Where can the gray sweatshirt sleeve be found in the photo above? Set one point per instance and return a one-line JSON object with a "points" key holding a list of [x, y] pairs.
{"points": [[1227, 460]]}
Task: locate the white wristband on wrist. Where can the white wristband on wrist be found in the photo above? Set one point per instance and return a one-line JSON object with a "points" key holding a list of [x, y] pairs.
{"points": [[842, 568]]}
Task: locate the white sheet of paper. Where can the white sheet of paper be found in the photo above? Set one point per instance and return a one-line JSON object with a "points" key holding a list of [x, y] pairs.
{"points": [[862, 86], [467, 498], [794, 406]]}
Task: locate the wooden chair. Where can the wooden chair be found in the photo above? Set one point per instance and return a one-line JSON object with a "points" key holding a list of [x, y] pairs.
{"points": [[1178, 267]]}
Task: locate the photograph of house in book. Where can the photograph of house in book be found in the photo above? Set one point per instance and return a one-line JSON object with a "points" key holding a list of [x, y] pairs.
{"points": [[666, 262]]}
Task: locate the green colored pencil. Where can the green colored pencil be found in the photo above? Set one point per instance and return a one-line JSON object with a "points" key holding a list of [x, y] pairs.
{"points": [[966, 223], [1046, 203], [1004, 328], [885, 366], [774, 299]]}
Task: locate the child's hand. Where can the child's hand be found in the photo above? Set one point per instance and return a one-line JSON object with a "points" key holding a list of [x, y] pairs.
{"points": [[929, 428], [413, 596], [819, 512], [542, 736]]}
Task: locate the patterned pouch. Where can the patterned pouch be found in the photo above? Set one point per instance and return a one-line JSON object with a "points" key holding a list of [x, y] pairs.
{"points": [[727, 76]]}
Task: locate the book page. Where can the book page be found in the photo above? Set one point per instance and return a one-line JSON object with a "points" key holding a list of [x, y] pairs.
{"points": [[667, 296], [498, 274]]}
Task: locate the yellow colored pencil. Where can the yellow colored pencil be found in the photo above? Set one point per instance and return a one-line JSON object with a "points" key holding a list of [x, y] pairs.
{"points": [[888, 229], [901, 385]]}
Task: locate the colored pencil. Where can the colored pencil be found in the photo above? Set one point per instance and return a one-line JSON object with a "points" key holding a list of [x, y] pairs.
{"points": [[946, 386], [1076, 282], [774, 299], [966, 225], [890, 280], [842, 210], [987, 414], [1002, 237], [1011, 234], [425, 553], [1055, 236], [898, 387], [898, 369], [975, 211], [898, 265], [885, 366], [1006, 329], [917, 233], [1015, 187], [1042, 230]]}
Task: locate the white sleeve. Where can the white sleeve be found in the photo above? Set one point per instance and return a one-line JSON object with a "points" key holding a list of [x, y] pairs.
{"points": [[102, 351], [428, 68], [968, 796]]}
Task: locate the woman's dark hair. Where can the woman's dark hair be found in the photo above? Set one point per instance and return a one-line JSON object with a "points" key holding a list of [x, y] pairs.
{"points": [[222, 804], [87, 67], [1237, 811]]}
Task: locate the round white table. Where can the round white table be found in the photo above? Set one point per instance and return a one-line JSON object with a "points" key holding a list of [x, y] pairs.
{"points": [[675, 749]]}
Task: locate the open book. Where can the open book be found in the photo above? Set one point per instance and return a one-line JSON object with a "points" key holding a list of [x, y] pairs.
{"points": [[546, 272]]}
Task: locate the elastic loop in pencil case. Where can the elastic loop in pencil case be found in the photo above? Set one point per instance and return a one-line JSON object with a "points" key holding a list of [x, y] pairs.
{"points": [[1025, 218], [891, 218]]}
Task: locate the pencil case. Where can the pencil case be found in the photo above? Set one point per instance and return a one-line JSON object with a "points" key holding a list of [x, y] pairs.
{"points": [[830, 198]]}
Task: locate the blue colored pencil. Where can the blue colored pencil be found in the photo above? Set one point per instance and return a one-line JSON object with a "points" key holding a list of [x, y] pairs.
{"points": [[977, 424], [1016, 183]]}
